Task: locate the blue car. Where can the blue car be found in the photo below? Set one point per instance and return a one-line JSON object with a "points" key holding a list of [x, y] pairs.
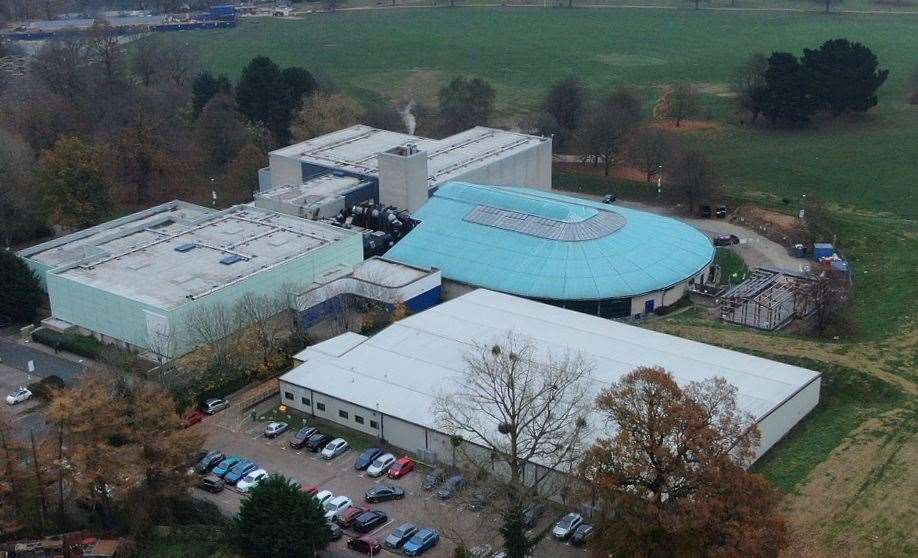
{"points": [[364, 459], [421, 542], [239, 471], [224, 466]]}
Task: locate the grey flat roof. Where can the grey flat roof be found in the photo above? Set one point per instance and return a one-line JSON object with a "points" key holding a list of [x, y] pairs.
{"points": [[153, 271], [355, 148], [311, 191]]}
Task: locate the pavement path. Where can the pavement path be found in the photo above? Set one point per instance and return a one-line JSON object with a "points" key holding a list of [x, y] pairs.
{"points": [[17, 355]]}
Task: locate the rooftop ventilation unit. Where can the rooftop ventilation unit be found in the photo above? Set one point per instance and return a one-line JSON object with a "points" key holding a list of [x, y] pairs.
{"points": [[231, 259], [185, 247]]}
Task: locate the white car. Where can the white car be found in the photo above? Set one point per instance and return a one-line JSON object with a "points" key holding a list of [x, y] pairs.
{"points": [[336, 504], [275, 429], [21, 394], [324, 496], [379, 467], [566, 526], [251, 479], [334, 448]]}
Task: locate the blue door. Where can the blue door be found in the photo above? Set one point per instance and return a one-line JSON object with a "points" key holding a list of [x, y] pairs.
{"points": [[648, 306]]}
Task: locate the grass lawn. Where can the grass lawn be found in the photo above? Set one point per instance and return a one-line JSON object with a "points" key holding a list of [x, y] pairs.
{"points": [[733, 269]]}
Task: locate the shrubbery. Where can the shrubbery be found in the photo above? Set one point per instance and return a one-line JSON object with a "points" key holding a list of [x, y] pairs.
{"points": [[77, 344]]}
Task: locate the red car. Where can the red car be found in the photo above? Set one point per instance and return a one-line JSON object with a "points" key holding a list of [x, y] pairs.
{"points": [[310, 489], [364, 544], [193, 417], [349, 514], [401, 467]]}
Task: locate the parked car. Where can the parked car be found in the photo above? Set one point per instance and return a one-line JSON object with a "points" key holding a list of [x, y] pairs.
{"points": [[310, 489], [19, 395], [452, 485], [212, 406], [383, 493], [302, 436], [609, 198], [317, 442], [566, 526], [432, 479], [370, 520], [193, 417], [725, 240], [380, 465], [706, 211], [336, 532], [335, 505], [368, 456], [250, 480], [364, 544], [211, 483], [401, 467], [334, 448], [721, 211], [208, 462], [239, 471], [324, 496], [581, 534], [346, 517], [275, 429], [421, 542], [222, 468], [400, 535], [532, 513], [481, 498]]}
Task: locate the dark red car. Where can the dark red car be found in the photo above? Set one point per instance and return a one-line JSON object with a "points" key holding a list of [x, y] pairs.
{"points": [[193, 417], [310, 489], [364, 544], [349, 514], [401, 467]]}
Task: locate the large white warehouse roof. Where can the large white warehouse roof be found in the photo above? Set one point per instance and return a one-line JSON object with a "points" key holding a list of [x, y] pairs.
{"points": [[400, 370]]}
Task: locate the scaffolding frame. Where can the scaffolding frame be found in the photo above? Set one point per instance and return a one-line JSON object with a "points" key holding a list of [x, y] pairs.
{"points": [[769, 300]]}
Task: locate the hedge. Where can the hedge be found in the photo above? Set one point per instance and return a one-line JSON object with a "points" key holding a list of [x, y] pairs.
{"points": [[81, 345]]}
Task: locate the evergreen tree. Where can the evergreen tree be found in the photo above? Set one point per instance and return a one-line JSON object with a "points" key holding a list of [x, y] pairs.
{"points": [[298, 83], [787, 94], [844, 76], [21, 294], [204, 87], [466, 102], [278, 520], [262, 96]]}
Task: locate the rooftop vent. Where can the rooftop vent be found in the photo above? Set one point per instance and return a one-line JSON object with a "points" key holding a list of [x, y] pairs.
{"points": [[231, 259], [185, 247]]}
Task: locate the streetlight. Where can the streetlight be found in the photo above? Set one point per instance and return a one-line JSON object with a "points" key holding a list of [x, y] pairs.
{"points": [[660, 182]]}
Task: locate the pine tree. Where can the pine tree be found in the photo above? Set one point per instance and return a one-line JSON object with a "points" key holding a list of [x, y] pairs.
{"points": [[844, 76], [205, 87], [21, 294], [787, 94]]}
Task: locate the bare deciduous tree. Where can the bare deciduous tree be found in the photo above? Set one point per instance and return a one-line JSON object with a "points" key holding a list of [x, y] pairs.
{"points": [[650, 149], [694, 178]]}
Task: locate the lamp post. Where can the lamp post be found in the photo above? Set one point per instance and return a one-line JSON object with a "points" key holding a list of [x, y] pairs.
{"points": [[660, 182]]}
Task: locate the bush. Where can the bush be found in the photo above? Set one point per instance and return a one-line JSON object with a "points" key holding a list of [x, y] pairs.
{"points": [[21, 295], [45, 387], [77, 344]]}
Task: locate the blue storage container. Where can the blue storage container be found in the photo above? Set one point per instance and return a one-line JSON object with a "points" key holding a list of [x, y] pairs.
{"points": [[822, 250]]}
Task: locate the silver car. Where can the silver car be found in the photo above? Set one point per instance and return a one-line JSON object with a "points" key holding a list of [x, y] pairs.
{"points": [[275, 429], [334, 448], [212, 406], [400, 535], [566, 527]]}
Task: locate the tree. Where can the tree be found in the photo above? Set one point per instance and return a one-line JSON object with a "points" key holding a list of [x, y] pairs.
{"points": [[748, 84], [844, 76], [22, 295], [628, 99], [241, 178], [262, 96], [829, 296], [605, 134], [158, 59], [105, 51], [298, 83], [73, 185], [679, 102], [323, 113], [465, 103], [521, 407], [17, 205], [670, 480], [788, 94], [278, 520], [220, 131], [650, 149], [694, 178], [566, 103], [204, 87]]}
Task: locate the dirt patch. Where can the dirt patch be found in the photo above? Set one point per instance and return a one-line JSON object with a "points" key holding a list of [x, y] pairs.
{"points": [[620, 172], [688, 126], [779, 227]]}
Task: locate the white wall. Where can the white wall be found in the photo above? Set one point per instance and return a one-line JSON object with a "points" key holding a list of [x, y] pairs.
{"points": [[530, 168], [285, 171], [776, 425]]}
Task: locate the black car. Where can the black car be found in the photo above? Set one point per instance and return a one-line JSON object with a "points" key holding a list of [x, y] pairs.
{"points": [[318, 441], [335, 530], [609, 198], [208, 461], [582, 535], [725, 240], [370, 520], [452, 485], [532, 513], [706, 211], [433, 478], [211, 483], [368, 456], [302, 436], [383, 493], [721, 211]]}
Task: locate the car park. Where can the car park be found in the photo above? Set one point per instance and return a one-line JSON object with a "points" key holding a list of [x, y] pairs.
{"points": [[239, 471], [725, 240], [368, 456], [481, 498], [317, 442], [193, 417], [212, 406], [369, 521], [582, 534], [364, 544], [211, 483], [335, 505], [566, 526], [721, 211], [336, 532], [310, 489], [334, 448], [302, 436], [433, 478], [421, 542], [251, 479], [346, 517], [400, 535], [380, 465], [275, 429], [208, 462], [222, 468], [384, 493], [323, 497], [400, 468], [19, 395], [452, 485]]}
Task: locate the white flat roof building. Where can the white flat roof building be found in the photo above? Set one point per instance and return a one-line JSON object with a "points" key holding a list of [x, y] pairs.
{"points": [[393, 377]]}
